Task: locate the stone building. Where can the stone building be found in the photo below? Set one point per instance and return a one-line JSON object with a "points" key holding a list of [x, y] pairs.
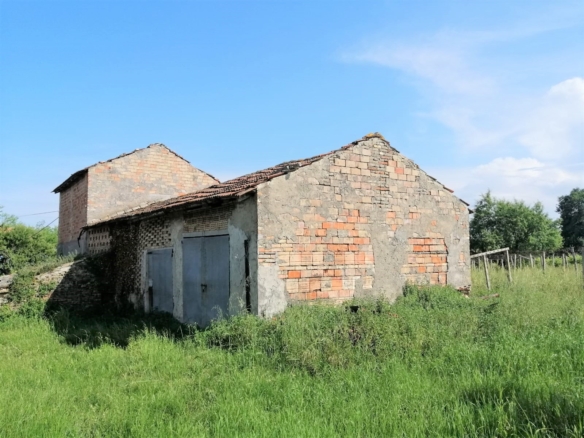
{"points": [[359, 221], [128, 181]]}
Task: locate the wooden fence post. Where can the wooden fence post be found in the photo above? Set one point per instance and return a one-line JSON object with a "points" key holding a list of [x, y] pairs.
{"points": [[575, 264], [543, 261], [486, 272], [564, 261], [531, 259], [508, 266]]}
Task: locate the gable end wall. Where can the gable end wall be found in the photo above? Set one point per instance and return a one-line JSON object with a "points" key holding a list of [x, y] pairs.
{"points": [[362, 221], [145, 176]]}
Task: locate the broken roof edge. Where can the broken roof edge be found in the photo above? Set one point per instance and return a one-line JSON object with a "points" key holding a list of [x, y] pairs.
{"points": [[77, 175]]}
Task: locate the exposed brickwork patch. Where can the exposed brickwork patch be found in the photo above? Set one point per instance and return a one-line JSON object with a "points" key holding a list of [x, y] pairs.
{"points": [[367, 187], [427, 260]]}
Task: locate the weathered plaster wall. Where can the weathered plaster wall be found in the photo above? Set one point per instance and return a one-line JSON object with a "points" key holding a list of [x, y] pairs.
{"points": [[130, 241], [142, 177], [72, 217], [361, 221]]}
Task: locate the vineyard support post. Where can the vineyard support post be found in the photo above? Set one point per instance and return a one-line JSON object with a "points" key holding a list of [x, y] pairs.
{"points": [[486, 272], [508, 266]]}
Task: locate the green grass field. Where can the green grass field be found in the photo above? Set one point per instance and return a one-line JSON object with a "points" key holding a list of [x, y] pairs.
{"points": [[432, 364]]}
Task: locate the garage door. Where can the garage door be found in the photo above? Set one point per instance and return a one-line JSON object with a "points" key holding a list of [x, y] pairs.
{"points": [[206, 278], [160, 280]]}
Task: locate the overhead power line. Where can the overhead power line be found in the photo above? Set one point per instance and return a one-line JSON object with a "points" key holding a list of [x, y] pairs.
{"points": [[36, 214], [41, 229]]}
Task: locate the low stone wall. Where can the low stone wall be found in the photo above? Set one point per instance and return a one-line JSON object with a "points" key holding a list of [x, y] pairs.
{"points": [[78, 284]]}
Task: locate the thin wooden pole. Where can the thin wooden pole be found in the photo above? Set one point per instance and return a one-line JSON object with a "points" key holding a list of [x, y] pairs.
{"points": [[515, 261], [582, 265], [575, 264], [543, 261], [564, 260], [553, 259], [531, 259], [486, 272], [508, 267]]}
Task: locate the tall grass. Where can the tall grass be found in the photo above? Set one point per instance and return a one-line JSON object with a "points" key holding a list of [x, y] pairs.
{"points": [[432, 364]]}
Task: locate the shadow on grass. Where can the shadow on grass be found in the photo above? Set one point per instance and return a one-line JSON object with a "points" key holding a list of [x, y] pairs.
{"points": [[544, 410], [92, 329]]}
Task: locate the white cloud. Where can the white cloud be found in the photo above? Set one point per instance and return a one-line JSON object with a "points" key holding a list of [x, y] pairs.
{"points": [[511, 178], [477, 98], [555, 128]]}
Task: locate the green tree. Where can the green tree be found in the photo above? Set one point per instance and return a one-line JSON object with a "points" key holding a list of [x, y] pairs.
{"points": [[571, 209], [497, 223], [22, 245]]}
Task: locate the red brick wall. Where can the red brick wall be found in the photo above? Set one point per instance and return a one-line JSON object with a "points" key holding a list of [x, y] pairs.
{"points": [[365, 220], [142, 177], [72, 213]]}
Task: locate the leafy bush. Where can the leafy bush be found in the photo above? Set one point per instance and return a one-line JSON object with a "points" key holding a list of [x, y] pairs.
{"points": [[22, 288], [22, 245]]}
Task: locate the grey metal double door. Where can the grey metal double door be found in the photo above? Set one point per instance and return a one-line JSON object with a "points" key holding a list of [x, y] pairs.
{"points": [[205, 278], [160, 280]]}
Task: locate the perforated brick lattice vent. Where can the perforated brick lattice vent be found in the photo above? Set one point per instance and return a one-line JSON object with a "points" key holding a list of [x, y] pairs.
{"points": [[208, 219], [154, 233], [98, 240]]}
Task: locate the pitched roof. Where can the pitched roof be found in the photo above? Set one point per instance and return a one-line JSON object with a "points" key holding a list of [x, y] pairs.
{"points": [[80, 173], [231, 189]]}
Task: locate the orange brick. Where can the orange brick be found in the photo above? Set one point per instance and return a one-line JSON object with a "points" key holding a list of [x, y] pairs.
{"points": [[321, 232], [337, 283], [314, 284], [294, 274]]}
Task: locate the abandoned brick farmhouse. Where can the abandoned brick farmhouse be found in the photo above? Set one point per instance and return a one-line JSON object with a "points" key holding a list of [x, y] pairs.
{"points": [[360, 220]]}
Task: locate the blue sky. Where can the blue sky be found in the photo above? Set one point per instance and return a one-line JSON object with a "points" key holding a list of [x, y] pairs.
{"points": [[482, 95]]}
